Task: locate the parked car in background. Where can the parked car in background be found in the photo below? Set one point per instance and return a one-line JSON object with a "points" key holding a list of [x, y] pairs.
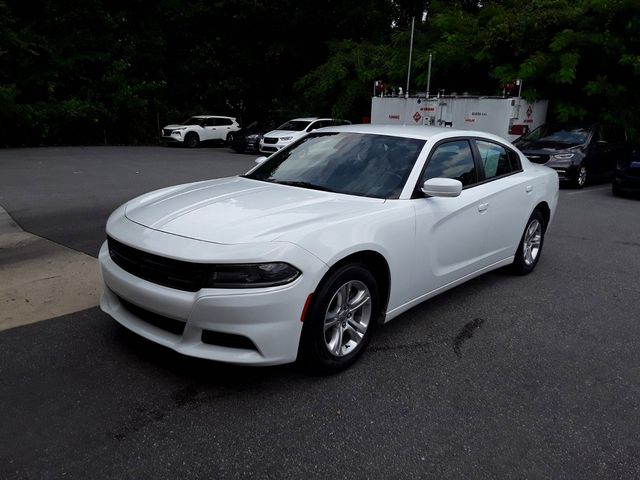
{"points": [[304, 255], [247, 139], [579, 152], [627, 176], [198, 129], [294, 129]]}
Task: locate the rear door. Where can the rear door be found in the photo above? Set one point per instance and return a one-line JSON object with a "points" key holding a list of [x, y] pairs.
{"points": [[508, 198], [223, 126]]}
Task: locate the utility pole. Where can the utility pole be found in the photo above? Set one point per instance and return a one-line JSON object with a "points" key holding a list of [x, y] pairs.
{"points": [[413, 21], [429, 75]]}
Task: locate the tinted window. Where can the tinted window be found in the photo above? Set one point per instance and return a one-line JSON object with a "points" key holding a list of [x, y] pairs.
{"points": [[494, 158], [452, 160], [294, 125], [569, 134], [613, 134], [223, 121], [208, 122], [319, 124], [193, 121], [353, 163]]}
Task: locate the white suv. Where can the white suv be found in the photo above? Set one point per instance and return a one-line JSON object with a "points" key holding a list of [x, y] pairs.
{"points": [[201, 128], [293, 130]]}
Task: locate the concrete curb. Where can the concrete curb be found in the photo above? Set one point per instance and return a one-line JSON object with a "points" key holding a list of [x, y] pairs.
{"points": [[40, 279]]}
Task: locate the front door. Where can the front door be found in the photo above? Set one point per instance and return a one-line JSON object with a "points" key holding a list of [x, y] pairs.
{"points": [[450, 236]]}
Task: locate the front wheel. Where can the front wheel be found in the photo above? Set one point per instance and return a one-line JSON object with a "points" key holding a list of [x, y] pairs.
{"points": [[530, 247], [580, 180], [191, 140], [340, 320]]}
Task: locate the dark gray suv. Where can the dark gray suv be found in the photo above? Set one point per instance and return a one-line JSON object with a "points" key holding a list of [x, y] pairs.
{"points": [[579, 152]]}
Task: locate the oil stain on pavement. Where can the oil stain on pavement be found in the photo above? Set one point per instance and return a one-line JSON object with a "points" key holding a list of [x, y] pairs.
{"points": [[466, 333]]}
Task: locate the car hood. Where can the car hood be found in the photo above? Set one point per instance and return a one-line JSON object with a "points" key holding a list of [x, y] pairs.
{"points": [[542, 147], [285, 133], [239, 210], [176, 125]]}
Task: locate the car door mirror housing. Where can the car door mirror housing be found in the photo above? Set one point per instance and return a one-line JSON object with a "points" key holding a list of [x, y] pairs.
{"points": [[442, 187], [260, 160]]}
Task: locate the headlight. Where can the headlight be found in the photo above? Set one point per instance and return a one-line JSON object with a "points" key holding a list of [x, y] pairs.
{"points": [[563, 156], [252, 137], [175, 133], [252, 275], [286, 139]]}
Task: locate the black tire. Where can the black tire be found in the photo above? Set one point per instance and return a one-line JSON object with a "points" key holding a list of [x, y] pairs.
{"points": [[580, 178], [314, 351], [524, 263], [236, 148], [616, 190], [191, 140]]}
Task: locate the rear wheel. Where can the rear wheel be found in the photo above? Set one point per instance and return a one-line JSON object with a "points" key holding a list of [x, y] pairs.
{"points": [[340, 320], [192, 140], [530, 247]]}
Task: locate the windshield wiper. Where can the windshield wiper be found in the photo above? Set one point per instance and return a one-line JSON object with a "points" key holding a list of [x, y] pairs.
{"points": [[305, 185]]}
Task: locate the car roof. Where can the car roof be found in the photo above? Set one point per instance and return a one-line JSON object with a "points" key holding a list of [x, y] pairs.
{"points": [[303, 119], [411, 131], [211, 116]]}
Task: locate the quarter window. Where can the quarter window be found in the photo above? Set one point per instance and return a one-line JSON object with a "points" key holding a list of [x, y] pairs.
{"points": [[452, 160], [223, 121], [495, 159]]}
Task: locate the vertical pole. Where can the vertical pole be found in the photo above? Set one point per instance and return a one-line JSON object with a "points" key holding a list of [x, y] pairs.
{"points": [[429, 75], [520, 87], [406, 93]]}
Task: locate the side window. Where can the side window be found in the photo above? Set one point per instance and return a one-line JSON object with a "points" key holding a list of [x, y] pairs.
{"points": [[452, 160], [223, 121], [315, 125], [208, 122], [494, 158], [611, 134]]}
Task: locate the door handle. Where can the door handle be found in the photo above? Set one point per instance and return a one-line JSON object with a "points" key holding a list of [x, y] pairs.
{"points": [[529, 188], [483, 207]]}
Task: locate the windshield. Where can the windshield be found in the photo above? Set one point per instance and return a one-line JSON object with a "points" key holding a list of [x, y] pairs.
{"points": [[353, 163], [569, 134], [193, 121], [295, 125]]}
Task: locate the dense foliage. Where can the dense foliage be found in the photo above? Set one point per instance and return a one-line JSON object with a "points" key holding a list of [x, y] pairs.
{"points": [[97, 71]]}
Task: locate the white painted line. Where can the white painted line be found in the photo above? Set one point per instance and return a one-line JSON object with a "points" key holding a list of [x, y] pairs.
{"points": [[587, 190]]}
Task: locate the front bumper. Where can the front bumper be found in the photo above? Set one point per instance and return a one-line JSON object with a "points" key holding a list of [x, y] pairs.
{"points": [[173, 138], [267, 321], [565, 172], [625, 181]]}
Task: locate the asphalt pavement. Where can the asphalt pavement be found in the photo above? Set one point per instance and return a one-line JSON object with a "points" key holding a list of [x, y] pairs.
{"points": [[503, 377]]}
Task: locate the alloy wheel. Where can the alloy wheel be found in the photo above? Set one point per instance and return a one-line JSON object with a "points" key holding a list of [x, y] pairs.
{"points": [[347, 318]]}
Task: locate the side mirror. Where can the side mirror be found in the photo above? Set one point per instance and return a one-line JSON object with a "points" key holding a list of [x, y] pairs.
{"points": [[442, 187], [260, 160]]}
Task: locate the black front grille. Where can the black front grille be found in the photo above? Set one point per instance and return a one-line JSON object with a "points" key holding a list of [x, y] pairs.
{"points": [[633, 172], [269, 149], [270, 140], [165, 323], [538, 158], [154, 268], [166, 132]]}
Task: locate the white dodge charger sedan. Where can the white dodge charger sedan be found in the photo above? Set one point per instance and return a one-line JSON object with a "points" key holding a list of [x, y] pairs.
{"points": [[303, 256]]}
